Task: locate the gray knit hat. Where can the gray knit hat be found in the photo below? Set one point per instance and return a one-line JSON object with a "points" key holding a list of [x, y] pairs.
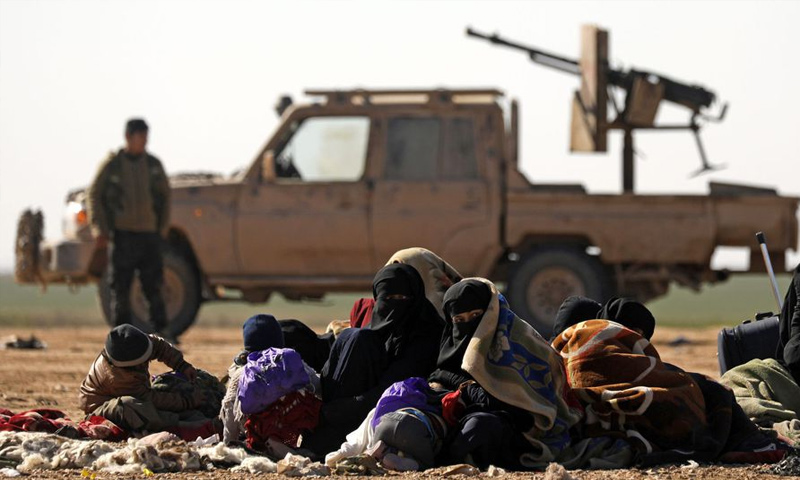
{"points": [[127, 346]]}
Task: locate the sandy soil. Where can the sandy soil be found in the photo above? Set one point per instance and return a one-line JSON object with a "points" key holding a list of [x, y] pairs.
{"points": [[674, 472], [50, 378]]}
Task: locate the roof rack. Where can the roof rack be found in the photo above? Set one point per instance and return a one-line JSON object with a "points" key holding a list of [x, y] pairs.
{"points": [[365, 97]]}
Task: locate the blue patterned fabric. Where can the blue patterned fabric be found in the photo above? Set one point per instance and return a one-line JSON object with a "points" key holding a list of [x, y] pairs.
{"points": [[512, 362]]}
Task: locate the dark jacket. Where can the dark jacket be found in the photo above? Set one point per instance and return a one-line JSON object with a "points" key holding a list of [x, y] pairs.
{"points": [[789, 344], [130, 194]]}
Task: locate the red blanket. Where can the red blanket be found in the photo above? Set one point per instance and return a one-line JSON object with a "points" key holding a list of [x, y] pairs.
{"points": [[55, 421], [284, 420], [361, 314]]}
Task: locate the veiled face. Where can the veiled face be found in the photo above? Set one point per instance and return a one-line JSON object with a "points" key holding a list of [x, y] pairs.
{"points": [[397, 296], [398, 291], [469, 316]]}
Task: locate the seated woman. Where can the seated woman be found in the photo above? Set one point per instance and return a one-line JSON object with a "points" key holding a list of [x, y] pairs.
{"points": [[402, 341], [769, 389], [789, 344], [510, 407], [437, 276], [574, 309], [312, 347], [631, 314], [665, 413], [262, 333]]}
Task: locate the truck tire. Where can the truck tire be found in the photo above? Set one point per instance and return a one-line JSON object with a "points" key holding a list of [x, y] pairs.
{"points": [[546, 276], [181, 292]]}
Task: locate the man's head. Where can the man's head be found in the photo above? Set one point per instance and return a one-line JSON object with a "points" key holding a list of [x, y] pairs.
{"points": [[136, 136]]}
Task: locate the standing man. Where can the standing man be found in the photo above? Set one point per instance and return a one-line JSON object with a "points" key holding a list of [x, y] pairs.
{"points": [[129, 211]]}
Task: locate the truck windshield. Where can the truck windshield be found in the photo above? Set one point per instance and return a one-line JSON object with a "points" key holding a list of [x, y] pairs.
{"points": [[325, 149]]}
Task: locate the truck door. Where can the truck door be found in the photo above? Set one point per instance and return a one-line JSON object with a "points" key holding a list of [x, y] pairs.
{"points": [[311, 217], [433, 190]]}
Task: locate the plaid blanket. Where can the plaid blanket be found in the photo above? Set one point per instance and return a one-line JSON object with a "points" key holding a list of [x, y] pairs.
{"points": [[629, 392], [512, 362]]}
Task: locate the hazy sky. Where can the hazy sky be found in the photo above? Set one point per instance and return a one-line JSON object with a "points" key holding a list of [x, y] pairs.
{"points": [[206, 74]]}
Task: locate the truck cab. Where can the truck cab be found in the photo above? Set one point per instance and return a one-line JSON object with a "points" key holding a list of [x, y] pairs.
{"points": [[341, 188]]}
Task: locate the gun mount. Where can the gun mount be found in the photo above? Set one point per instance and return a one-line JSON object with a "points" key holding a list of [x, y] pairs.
{"points": [[644, 91]]}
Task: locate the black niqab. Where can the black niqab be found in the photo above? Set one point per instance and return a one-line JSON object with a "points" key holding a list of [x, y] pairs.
{"points": [[631, 314], [464, 296], [574, 310], [398, 320]]}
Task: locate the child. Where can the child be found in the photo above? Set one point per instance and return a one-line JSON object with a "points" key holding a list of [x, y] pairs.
{"points": [[405, 430], [261, 333], [117, 386]]}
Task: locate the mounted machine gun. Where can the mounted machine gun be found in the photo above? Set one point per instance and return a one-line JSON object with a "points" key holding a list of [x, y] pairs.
{"points": [[644, 92]]}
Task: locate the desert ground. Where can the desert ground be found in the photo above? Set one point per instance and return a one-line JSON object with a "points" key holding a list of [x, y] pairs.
{"points": [[51, 377]]}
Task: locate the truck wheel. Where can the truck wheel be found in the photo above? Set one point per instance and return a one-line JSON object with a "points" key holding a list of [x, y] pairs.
{"points": [[181, 293], [545, 277]]}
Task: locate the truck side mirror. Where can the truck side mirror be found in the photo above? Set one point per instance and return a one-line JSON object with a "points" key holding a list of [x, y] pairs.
{"points": [[268, 167]]}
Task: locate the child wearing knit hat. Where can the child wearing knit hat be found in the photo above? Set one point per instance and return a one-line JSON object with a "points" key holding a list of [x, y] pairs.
{"points": [[118, 388], [260, 333]]}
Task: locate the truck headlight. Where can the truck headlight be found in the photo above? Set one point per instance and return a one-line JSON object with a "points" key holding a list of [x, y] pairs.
{"points": [[75, 219]]}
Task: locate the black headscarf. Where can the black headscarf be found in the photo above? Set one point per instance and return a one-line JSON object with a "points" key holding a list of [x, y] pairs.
{"points": [[464, 296], [629, 313], [397, 321], [574, 310]]}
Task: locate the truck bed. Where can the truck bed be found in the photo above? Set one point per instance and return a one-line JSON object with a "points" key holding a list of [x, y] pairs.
{"points": [[660, 229]]}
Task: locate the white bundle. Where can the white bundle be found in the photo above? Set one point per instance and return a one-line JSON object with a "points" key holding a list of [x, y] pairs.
{"points": [[140, 454], [157, 453], [256, 465], [219, 453]]}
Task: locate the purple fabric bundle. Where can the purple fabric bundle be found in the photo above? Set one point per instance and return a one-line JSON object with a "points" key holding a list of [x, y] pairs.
{"points": [[269, 375], [409, 393]]}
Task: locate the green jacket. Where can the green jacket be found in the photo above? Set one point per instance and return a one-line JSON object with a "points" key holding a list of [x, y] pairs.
{"points": [[128, 194]]}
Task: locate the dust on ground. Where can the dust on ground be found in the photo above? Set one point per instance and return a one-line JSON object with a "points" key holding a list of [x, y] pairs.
{"points": [[50, 378]]}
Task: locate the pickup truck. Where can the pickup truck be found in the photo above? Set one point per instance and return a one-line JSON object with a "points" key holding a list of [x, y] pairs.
{"points": [[347, 180]]}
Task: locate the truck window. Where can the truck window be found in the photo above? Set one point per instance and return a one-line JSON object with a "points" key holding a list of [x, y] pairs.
{"points": [[412, 148], [325, 149], [459, 160]]}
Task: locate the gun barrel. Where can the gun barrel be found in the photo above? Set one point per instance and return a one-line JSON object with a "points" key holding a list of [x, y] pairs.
{"points": [[542, 57], [690, 96]]}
